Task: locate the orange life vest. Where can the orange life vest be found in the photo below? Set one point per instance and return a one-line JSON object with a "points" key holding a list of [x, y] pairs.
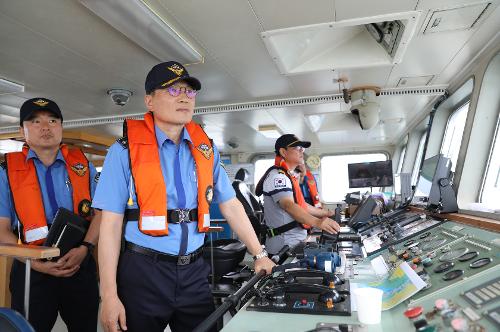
{"points": [[297, 193], [25, 189], [313, 189], [148, 179]]}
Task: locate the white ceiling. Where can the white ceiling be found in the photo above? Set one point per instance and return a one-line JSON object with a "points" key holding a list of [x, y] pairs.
{"points": [[61, 50]]}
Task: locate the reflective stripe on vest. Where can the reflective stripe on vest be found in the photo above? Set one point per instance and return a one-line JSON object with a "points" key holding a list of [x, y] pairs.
{"points": [[24, 186], [313, 189], [148, 179]]}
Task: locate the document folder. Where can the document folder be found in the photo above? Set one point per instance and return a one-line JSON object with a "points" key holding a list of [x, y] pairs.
{"points": [[67, 231]]}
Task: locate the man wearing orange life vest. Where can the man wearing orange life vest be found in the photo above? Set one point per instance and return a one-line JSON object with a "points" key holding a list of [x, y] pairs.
{"points": [[34, 184], [285, 210], [158, 182], [308, 186]]}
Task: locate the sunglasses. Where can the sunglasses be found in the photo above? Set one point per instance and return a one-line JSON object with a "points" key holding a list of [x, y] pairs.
{"points": [[176, 91], [297, 148]]}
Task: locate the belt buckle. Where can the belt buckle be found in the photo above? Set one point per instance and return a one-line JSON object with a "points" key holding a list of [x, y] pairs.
{"points": [[183, 215], [184, 260]]}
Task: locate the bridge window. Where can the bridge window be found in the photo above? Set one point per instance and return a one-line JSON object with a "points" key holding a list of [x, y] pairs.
{"points": [[453, 134], [334, 176], [491, 187], [261, 167], [401, 160], [418, 159]]}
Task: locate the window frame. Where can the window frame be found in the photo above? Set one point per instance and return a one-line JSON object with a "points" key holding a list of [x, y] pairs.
{"points": [[488, 163], [456, 109], [401, 160], [418, 159]]}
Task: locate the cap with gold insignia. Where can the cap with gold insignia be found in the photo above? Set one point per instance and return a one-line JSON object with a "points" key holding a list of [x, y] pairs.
{"points": [[38, 104], [289, 140], [168, 73]]}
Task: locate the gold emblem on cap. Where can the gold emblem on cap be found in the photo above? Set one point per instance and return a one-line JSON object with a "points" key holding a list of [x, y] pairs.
{"points": [[176, 69], [41, 102]]}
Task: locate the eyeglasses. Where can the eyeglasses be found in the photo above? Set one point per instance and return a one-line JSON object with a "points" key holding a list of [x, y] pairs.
{"points": [[176, 91], [298, 148]]}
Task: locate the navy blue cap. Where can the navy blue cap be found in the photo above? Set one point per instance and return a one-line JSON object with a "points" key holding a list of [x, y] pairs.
{"points": [[168, 73], [38, 104], [289, 140]]}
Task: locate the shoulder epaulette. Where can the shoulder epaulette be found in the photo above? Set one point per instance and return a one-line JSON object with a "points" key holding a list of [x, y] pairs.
{"points": [[3, 164], [123, 142]]}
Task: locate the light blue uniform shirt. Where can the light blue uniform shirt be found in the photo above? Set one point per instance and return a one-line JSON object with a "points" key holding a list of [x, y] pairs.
{"points": [[115, 187], [62, 188]]}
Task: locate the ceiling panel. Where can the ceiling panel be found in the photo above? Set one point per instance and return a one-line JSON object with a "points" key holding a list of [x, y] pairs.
{"points": [[347, 9], [297, 12], [440, 47], [232, 40]]}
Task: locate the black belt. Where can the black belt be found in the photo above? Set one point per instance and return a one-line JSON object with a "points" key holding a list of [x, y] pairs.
{"points": [[282, 229], [180, 260], [175, 216]]}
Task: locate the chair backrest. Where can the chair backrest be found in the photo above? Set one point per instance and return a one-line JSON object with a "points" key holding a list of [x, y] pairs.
{"points": [[250, 203], [247, 198]]}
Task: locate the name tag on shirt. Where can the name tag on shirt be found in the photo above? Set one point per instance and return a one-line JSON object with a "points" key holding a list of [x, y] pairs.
{"points": [[206, 220], [153, 223], [37, 234]]}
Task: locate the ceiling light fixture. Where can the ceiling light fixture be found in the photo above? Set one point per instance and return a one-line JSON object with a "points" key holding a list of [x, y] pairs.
{"points": [[8, 87], [136, 20], [270, 131]]}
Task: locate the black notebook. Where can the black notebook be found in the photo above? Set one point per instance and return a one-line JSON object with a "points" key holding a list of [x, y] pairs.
{"points": [[67, 231]]}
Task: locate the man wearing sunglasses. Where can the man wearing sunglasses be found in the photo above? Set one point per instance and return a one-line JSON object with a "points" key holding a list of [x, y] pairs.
{"points": [[158, 182], [287, 214]]}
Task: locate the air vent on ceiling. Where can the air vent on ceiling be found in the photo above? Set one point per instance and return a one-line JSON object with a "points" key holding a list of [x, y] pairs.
{"points": [[415, 81], [355, 43], [459, 18]]}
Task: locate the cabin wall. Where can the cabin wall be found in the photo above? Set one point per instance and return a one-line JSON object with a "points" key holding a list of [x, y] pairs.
{"points": [[477, 83]]}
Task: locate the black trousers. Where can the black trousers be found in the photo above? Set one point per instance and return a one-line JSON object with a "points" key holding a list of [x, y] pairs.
{"points": [[159, 293], [76, 298]]}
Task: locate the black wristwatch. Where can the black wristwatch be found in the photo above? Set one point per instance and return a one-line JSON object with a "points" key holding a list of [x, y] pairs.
{"points": [[89, 246]]}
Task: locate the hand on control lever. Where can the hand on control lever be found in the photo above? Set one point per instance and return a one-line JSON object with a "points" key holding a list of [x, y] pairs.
{"points": [[329, 225]]}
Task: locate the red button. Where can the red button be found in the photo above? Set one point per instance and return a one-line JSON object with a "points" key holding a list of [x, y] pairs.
{"points": [[441, 304], [303, 301], [413, 312]]}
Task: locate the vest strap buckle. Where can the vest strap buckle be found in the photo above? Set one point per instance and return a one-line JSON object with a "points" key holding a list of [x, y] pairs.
{"points": [[183, 215]]}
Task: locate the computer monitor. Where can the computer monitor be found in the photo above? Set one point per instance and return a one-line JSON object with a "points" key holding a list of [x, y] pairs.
{"points": [[372, 174], [434, 186]]}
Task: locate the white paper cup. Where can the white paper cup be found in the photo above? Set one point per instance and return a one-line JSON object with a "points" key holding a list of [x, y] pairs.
{"points": [[369, 304]]}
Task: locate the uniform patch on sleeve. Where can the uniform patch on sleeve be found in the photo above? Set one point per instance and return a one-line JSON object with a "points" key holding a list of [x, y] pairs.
{"points": [[279, 183]]}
